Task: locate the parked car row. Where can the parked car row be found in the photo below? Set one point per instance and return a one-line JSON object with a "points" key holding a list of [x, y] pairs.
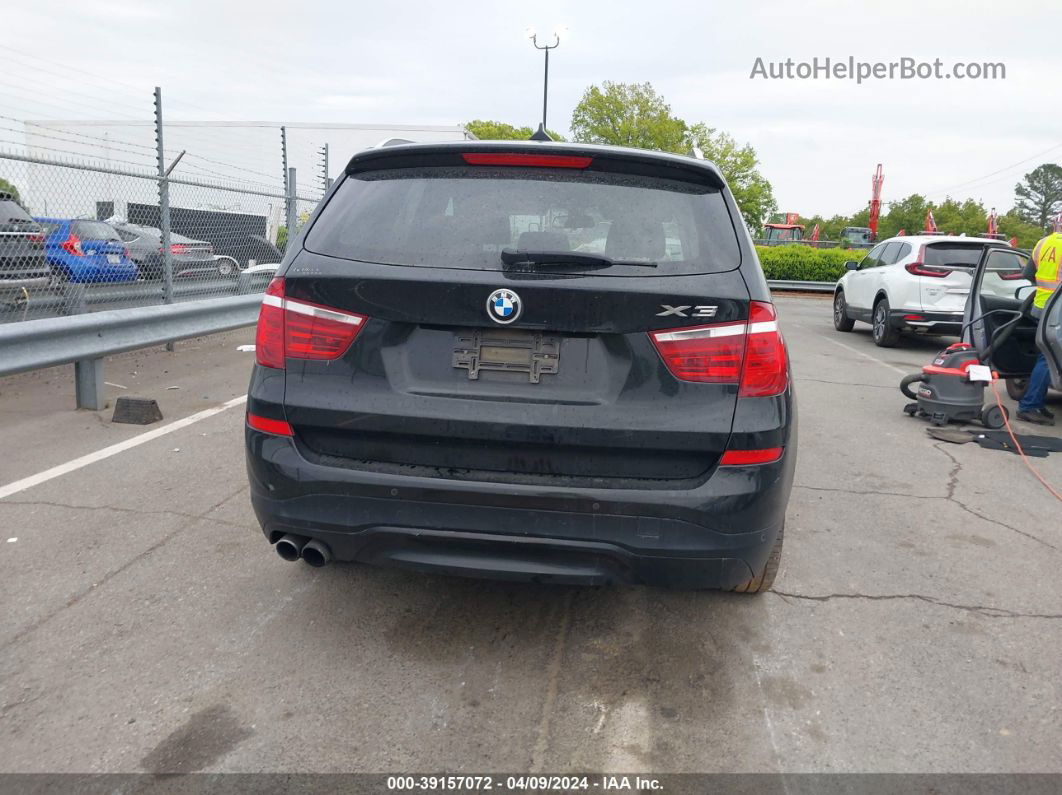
{"points": [[40, 252], [922, 284]]}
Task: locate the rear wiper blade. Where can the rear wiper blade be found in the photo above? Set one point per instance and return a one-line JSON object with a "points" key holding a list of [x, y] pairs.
{"points": [[582, 259]]}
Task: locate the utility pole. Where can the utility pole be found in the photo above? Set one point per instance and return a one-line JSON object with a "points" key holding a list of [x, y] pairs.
{"points": [[291, 216], [164, 205], [326, 181], [289, 188]]}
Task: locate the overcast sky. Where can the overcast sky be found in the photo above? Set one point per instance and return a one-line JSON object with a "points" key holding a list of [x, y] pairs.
{"points": [[417, 62]]}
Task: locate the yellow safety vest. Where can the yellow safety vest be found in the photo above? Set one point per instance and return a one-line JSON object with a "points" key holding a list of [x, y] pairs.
{"points": [[1046, 255]]}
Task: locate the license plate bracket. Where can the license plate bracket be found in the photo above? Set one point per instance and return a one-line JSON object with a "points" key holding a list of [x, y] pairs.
{"points": [[511, 351], [113, 259]]}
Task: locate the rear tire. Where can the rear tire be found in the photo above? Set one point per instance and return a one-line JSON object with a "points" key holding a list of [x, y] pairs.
{"points": [[1016, 387], [841, 321], [227, 266], [765, 579], [885, 336]]}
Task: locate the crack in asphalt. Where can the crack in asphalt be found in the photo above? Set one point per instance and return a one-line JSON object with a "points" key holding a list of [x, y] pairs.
{"points": [[846, 383], [984, 610], [952, 484], [73, 600], [869, 491], [116, 509]]}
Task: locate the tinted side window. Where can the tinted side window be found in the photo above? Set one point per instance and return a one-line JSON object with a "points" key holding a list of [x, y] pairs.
{"points": [[905, 249], [10, 211], [889, 255], [1003, 274], [95, 230], [873, 259]]}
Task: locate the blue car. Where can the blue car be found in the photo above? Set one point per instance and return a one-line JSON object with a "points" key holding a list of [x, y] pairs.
{"points": [[84, 251]]}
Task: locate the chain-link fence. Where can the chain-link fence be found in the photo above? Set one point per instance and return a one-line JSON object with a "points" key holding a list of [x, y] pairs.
{"points": [[77, 237]]}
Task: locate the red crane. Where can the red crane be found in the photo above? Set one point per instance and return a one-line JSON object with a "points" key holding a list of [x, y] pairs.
{"points": [[875, 202]]}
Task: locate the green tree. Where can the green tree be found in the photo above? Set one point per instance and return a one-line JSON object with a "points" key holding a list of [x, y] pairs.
{"points": [[489, 130], [966, 217], [628, 114], [1039, 194], [739, 165], [1013, 225], [908, 214], [829, 228], [8, 187]]}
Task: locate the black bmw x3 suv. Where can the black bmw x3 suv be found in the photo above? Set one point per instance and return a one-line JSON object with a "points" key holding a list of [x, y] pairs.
{"points": [[537, 361]]}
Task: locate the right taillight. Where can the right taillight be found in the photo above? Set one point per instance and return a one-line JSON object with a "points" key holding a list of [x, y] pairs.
{"points": [[289, 328], [748, 353], [766, 370], [918, 269]]}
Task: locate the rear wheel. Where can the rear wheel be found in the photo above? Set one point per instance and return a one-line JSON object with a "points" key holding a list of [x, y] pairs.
{"points": [[227, 266], [994, 416], [765, 579], [885, 336], [1016, 387], [841, 321]]}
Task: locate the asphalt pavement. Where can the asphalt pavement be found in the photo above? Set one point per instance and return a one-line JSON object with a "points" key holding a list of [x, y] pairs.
{"points": [[147, 625]]}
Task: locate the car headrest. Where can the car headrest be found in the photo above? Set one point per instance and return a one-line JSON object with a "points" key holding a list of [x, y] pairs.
{"points": [[637, 240], [543, 241]]}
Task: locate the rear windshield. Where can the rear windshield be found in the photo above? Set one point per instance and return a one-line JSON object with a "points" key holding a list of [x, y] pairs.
{"points": [[962, 255], [95, 230], [11, 212], [464, 217]]}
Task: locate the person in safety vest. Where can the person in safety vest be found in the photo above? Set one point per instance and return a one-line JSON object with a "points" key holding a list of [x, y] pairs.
{"points": [[1043, 269]]}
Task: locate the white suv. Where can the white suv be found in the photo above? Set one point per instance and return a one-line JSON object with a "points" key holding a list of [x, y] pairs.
{"points": [[915, 283]]}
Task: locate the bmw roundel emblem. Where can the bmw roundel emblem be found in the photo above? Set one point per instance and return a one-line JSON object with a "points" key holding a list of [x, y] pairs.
{"points": [[504, 306]]}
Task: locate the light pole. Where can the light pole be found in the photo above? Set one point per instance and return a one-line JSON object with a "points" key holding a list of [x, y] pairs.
{"points": [[540, 134]]}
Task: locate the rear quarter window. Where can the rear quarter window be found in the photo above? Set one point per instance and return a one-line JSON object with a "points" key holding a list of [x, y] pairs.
{"points": [[95, 230], [463, 217], [11, 212]]}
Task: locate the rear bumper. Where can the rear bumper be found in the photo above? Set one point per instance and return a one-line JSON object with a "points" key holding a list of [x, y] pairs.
{"points": [[713, 536], [927, 322]]}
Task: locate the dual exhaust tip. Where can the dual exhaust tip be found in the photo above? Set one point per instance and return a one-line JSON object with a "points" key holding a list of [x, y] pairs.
{"points": [[316, 553]]}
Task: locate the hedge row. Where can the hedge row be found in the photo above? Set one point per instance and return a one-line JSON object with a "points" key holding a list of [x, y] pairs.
{"points": [[804, 263]]}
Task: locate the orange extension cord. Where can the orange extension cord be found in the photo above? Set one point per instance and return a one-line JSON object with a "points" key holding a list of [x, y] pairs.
{"points": [[1024, 457]]}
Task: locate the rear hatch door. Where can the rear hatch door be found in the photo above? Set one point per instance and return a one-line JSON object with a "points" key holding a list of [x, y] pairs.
{"points": [[946, 271], [100, 243], [491, 349]]}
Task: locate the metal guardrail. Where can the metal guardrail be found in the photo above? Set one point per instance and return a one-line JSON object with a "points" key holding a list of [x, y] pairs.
{"points": [[784, 285], [86, 339], [73, 299]]}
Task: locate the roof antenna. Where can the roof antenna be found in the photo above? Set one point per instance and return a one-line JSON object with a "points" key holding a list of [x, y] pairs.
{"points": [[540, 134]]}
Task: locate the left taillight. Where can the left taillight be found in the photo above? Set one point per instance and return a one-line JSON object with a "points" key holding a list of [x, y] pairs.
{"points": [[293, 329], [748, 353]]}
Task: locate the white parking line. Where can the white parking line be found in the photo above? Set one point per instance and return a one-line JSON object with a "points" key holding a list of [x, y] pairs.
{"points": [[858, 352], [114, 449]]}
